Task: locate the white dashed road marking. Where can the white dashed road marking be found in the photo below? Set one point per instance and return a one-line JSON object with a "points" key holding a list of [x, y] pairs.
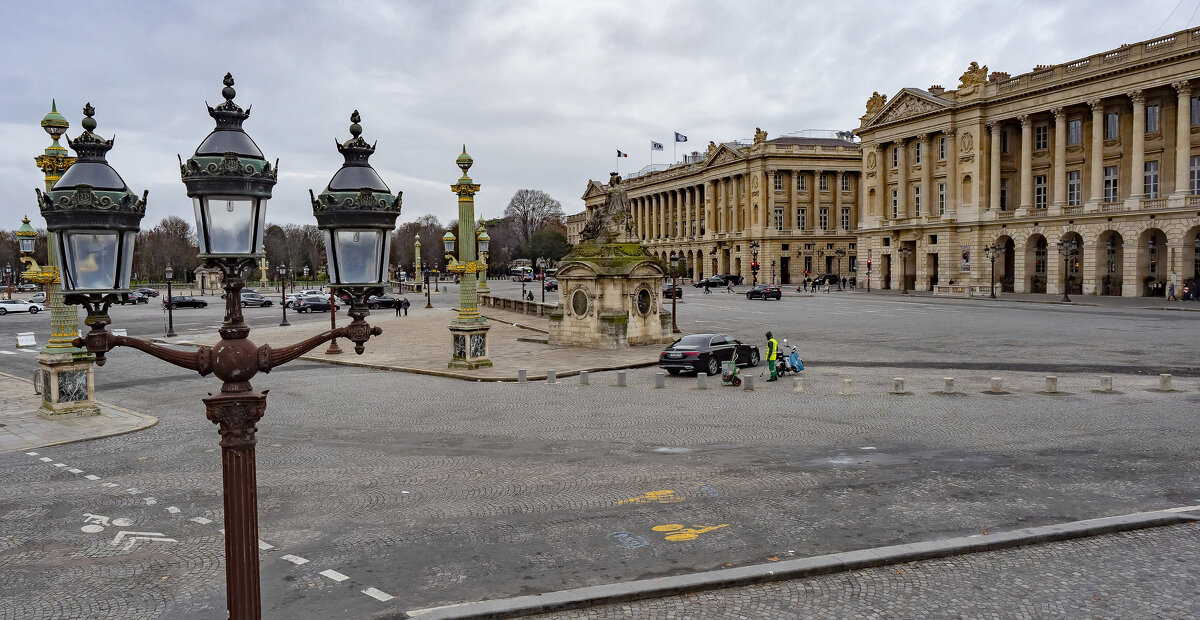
{"points": [[262, 546], [60, 464], [201, 520], [92, 477], [110, 484], [45, 459], [294, 559], [31, 453], [75, 471], [378, 595], [334, 575], [173, 510]]}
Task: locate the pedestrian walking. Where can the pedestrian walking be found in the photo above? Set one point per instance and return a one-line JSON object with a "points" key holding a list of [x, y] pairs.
{"points": [[772, 354], [1171, 292], [399, 307], [405, 304], [843, 281], [707, 288]]}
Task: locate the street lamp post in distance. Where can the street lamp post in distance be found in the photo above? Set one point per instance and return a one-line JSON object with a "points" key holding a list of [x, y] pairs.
{"points": [[170, 273], [990, 252], [904, 252], [840, 252], [283, 294], [1067, 249]]}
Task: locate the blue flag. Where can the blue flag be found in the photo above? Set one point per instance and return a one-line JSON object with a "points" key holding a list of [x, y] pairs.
{"points": [[655, 146], [680, 137]]}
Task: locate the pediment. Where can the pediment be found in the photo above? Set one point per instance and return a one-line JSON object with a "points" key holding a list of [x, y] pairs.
{"points": [[909, 102], [594, 189], [723, 155]]}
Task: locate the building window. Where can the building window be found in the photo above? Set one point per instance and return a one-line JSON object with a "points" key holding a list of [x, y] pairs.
{"points": [[895, 204], [1194, 174], [1039, 257], [1112, 126], [778, 218], [1074, 186], [778, 181], [824, 224], [1004, 194], [942, 148], [941, 198], [1039, 192], [895, 156], [916, 152], [916, 201], [1153, 248], [845, 182], [852, 262], [1041, 137], [1151, 118], [1195, 111], [1110, 184], [1075, 132], [802, 218], [1151, 177], [807, 265], [845, 218], [1003, 141], [801, 184], [823, 183]]}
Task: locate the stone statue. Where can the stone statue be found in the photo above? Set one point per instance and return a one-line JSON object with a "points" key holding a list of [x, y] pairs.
{"points": [[712, 147], [760, 136], [612, 222], [875, 103], [973, 76]]}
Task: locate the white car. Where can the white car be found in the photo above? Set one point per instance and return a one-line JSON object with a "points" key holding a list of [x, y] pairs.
{"points": [[293, 297], [19, 305], [38, 297]]}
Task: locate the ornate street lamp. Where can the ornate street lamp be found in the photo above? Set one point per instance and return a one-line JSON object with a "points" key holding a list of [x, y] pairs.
{"points": [[26, 237], [306, 283], [169, 274], [754, 245], [1067, 249], [904, 252], [840, 252], [990, 252], [674, 290], [283, 294], [417, 273], [468, 330], [8, 272], [229, 182], [483, 240]]}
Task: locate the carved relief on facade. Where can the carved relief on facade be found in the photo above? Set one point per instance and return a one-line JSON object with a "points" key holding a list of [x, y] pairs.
{"points": [[909, 106], [973, 76], [871, 161], [875, 103]]}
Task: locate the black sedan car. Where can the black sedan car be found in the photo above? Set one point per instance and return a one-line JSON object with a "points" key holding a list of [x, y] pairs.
{"points": [[133, 297], [705, 352], [765, 291], [551, 285], [312, 303], [672, 290], [374, 302], [183, 301], [148, 292], [713, 282]]}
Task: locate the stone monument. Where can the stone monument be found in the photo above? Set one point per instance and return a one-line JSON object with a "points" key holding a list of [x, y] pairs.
{"points": [[610, 286]]}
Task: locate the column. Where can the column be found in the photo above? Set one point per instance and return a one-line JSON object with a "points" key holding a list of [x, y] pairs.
{"points": [[994, 176], [902, 177], [768, 200], [1026, 162], [836, 219], [1137, 166], [1060, 158], [814, 190], [710, 208], [928, 195], [1183, 137], [881, 187], [719, 200], [951, 171], [1096, 191], [680, 214], [793, 200]]}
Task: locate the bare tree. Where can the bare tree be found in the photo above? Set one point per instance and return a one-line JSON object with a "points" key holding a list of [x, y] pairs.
{"points": [[531, 210]]}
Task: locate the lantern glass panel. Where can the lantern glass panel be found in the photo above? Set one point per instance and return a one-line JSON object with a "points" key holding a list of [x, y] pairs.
{"points": [[91, 260], [483, 244], [359, 254], [27, 245], [228, 224]]}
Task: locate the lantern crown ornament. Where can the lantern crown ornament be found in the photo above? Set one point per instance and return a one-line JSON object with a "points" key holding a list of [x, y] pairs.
{"points": [[357, 213], [95, 217], [229, 182], [26, 236]]}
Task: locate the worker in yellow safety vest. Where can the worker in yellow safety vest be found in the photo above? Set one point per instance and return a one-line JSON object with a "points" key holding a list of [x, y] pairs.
{"points": [[772, 354]]}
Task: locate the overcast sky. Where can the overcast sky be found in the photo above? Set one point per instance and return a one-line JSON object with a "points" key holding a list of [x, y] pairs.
{"points": [[542, 93]]}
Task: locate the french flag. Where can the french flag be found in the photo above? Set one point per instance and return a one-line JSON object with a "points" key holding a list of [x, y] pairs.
{"points": [[620, 154]]}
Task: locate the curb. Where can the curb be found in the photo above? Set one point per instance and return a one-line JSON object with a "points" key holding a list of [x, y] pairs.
{"points": [[148, 419], [799, 568]]}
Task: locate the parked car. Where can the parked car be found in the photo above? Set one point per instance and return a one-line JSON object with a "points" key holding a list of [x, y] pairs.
{"points": [[672, 290], [375, 302], [38, 297], [27, 287], [148, 292], [133, 297], [713, 282], [252, 298], [183, 301], [290, 298], [764, 292], [313, 303], [551, 285], [705, 353], [831, 278], [19, 305]]}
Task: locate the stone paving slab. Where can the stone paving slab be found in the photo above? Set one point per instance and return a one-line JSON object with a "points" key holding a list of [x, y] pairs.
{"points": [[420, 343], [22, 429]]}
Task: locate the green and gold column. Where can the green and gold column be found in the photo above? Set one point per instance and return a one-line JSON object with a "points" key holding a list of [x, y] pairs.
{"points": [[68, 386], [468, 331]]}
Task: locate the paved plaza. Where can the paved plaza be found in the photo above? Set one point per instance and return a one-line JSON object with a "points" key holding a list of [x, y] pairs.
{"points": [[385, 492]]}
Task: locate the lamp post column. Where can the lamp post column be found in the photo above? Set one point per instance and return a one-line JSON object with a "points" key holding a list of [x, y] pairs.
{"points": [[283, 295], [170, 305], [469, 330]]}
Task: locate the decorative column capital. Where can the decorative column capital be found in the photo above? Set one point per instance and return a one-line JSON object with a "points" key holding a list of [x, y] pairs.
{"points": [[1183, 87], [994, 127], [1026, 120], [1137, 96], [1097, 105], [1060, 113]]}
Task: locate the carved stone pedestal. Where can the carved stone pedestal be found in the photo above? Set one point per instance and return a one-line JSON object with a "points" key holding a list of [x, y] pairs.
{"points": [[68, 385], [469, 346], [611, 297]]}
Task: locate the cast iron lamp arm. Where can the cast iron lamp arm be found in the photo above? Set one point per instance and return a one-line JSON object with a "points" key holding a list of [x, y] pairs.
{"points": [[269, 357], [100, 341]]}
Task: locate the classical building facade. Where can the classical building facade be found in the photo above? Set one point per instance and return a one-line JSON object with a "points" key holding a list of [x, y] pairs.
{"points": [[1100, 154], [575, 223], [792, 202]]}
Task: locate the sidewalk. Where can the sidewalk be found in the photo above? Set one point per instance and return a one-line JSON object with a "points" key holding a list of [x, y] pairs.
{"points": [[420, 343], [22, 429]]}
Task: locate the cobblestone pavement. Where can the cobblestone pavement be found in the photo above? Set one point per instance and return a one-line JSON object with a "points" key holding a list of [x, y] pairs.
{"points": [[22, 429], [1143, 574]]}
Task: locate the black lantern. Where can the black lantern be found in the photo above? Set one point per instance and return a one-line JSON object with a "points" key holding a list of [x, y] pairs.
{"points": [[357, 213], [95, 217], [229, 182]]}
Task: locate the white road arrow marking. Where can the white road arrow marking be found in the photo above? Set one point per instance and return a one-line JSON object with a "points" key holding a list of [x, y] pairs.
{"points": [[132, 538]]}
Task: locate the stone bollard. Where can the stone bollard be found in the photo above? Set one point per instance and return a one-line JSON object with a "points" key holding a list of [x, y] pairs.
{"points": [[1164, 383], [660, 380], [948, 385], [521, 375], [551, 376], [898, 385], [702, 380], [847, 387], [798, 385], [748, 383], [1051, 385], [1106, 384], [622, 378], [583, 378], [997, 384]]}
